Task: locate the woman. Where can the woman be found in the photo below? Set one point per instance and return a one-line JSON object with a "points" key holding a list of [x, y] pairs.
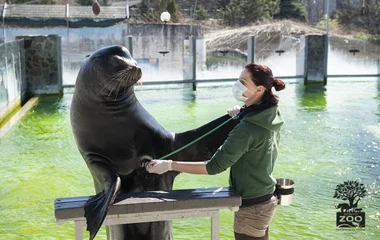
{"points": [[250, 150]]}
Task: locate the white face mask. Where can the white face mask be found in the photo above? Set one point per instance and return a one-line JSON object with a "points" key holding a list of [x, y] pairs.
{"points": [[237, 90]]}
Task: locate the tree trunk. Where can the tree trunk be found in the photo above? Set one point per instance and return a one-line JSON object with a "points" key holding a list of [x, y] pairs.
{"points": [[351, 202]]}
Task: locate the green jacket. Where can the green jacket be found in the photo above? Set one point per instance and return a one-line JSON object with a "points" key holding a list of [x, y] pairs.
{"points": [[251, 151]]}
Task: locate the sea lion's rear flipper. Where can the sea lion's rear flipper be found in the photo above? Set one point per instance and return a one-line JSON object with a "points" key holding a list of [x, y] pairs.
{"points": [[96, 208]]}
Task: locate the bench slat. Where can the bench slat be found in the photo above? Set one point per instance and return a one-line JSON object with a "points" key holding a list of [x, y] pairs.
{"points": [[158, 193], [141, 202]]}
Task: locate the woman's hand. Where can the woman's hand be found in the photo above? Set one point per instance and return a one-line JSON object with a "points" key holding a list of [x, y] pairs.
{"points": [[159, 166], [234, 110]]}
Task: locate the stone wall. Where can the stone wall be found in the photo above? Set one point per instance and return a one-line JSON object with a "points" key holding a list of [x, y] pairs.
{"points": [[43, 64]]}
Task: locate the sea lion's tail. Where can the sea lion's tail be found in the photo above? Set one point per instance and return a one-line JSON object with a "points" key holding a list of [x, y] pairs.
{"points": [[96, 208]]}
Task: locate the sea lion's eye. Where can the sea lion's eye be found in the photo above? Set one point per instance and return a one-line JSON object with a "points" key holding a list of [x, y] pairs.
{"points": [[117, 59]]}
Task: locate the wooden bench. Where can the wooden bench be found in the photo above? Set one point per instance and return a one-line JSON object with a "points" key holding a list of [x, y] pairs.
{"points": [[154, 206]]}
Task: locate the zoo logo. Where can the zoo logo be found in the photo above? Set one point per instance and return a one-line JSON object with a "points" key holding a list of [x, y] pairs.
{"points": [[350, 216]]}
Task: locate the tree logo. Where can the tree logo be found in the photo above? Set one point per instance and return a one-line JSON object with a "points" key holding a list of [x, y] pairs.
{"points": [[350, 216]]}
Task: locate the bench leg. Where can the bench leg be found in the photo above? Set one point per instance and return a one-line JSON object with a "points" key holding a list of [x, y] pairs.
{"points": [[78, 230], [215, 226]]}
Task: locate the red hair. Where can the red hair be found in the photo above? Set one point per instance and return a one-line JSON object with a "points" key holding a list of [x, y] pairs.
{"points": [[262, 76]]}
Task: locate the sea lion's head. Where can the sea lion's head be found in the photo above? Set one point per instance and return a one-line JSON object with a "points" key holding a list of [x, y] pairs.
{"points": [[109, 72]]}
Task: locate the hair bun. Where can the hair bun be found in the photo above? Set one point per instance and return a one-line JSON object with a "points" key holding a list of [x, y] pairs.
{"points": [[278, 84]]}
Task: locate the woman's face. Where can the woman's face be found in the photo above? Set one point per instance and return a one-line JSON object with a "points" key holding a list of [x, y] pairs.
{"points": [[253, 93], [246, 79]]}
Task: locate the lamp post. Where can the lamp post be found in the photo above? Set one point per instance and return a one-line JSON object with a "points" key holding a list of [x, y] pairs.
{"points": [[127, 8], [3, 21], [192, 12], [165, 17], [327, 16], [127, 33]]}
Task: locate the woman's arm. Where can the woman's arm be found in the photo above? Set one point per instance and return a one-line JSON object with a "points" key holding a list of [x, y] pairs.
{"points": [[162, 166], [190, 167]]}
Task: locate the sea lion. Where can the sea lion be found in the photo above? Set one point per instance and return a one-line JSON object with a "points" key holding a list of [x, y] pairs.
{"points": [[115, 134]]}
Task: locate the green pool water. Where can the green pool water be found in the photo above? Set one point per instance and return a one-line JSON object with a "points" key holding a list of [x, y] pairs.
{"points": [[331, 135]]}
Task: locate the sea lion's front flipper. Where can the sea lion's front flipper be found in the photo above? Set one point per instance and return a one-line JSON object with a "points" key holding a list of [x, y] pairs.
{"points": [[96, 208]]}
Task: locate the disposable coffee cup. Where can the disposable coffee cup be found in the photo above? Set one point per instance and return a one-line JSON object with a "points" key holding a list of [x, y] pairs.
{"points": [[284, 191]]}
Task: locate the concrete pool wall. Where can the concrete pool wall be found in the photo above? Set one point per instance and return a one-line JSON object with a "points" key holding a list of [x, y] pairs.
{"points": [[12, 78]]}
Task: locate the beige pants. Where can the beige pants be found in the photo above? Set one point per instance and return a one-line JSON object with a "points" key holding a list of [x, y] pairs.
{"points": [[254, 220]]}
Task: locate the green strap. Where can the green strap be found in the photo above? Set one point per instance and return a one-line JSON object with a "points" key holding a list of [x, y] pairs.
{"points": [[196, 140]]}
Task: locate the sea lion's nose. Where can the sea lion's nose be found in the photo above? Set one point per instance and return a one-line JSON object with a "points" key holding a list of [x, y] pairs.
{"points": [[136, 68], [131, 63]]}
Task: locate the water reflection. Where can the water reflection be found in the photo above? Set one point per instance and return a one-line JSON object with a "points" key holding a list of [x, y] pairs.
{"points": [[312, 97], [189, 97]]}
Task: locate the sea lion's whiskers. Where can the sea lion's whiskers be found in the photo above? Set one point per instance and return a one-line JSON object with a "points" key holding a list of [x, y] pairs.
{"points": [[126, 78], [137, 75], [108, 81], [122, 75], [120, 82], [101, 90], [110, 85], [106, 85], [112, 82], [127, 85], [116, 80]]}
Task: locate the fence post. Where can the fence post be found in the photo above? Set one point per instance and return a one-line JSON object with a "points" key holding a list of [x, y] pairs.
{"points": [[193, 44], [251, 49], [130, 45]]}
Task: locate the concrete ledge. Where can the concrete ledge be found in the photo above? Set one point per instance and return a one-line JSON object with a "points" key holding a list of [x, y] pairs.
{"points": [[8, 110], [17, 116]]}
